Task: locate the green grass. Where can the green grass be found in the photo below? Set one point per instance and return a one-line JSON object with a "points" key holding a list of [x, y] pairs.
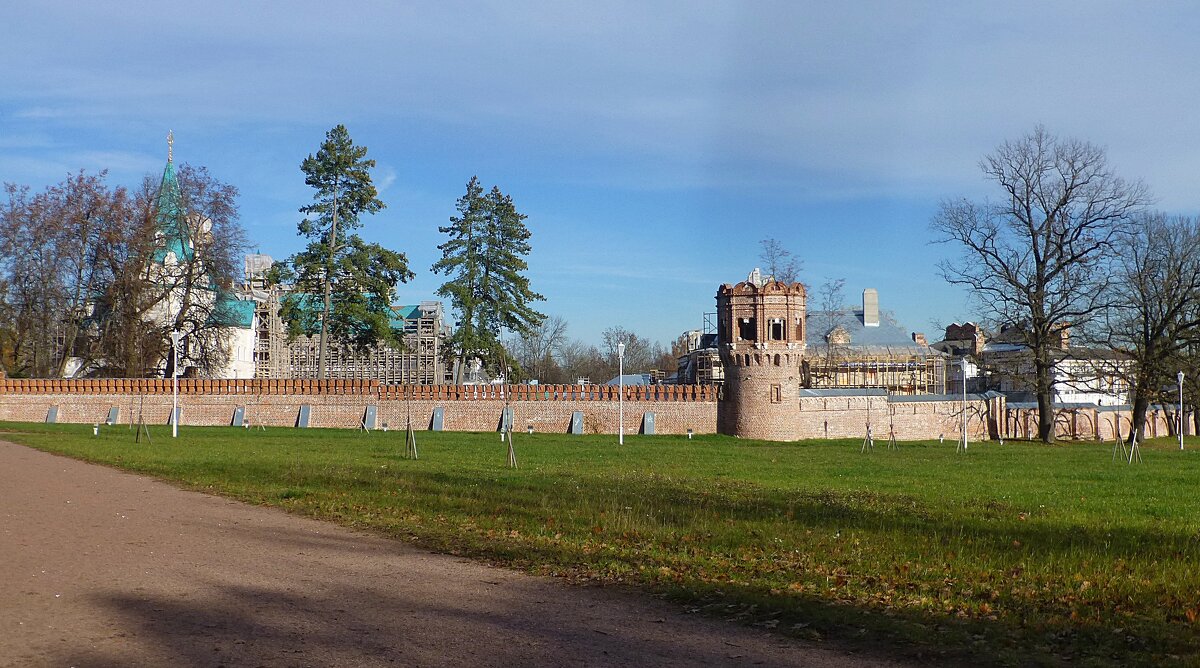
{"points": [[1016, 554]]}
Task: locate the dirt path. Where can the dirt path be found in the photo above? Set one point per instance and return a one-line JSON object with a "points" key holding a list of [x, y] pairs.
{"points": [[103, 568]]}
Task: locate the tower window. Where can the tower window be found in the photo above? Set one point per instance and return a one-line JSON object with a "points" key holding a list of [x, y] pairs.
{"points": [[776, 394], [747, 330], [777, 330]]}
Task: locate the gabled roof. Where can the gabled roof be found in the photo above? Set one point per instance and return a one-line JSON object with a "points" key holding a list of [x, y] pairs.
{"points": [[402, 315], [405, 313]]}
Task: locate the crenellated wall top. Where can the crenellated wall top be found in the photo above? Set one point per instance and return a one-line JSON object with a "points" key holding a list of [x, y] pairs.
{"points": [[367, 389]]}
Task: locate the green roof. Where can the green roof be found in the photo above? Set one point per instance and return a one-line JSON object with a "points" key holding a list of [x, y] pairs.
{"points": [[405, 313], [401, 315], [169, 218], [229, 311], [241, 311]]}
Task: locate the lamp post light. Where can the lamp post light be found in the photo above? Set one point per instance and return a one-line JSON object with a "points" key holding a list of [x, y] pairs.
{"points": [[621, 393], [964, 402], [175, 383], [1179, 377]]}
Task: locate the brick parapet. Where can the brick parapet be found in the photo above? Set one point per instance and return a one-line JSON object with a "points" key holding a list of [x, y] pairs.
{"points": [[190, 386], [343, 403]]}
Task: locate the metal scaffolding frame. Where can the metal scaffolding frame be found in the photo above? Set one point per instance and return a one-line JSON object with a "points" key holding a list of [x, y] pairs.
{"points": [[418, 361]]}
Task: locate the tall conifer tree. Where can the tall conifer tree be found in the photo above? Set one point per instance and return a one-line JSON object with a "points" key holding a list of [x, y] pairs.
{"points": [[355, 280], [485, 260]]}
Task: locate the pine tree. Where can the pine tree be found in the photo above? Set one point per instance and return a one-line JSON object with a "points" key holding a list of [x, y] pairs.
{"points": [[354, 279], [485, 258]]}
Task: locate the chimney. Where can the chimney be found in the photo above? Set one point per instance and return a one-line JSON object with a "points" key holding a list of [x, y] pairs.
{"points": [[919, 339], [979, 341], [870, 308]]}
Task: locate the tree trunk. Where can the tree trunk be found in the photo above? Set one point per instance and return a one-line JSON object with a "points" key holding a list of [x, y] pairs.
{"points": [[1045, 399], [323, 343], [1141, 404]]}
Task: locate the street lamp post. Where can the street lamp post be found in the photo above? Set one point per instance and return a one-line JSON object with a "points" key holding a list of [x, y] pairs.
{"points": [[964, 402], [621, 393], [175, 383], [1180, 378]]}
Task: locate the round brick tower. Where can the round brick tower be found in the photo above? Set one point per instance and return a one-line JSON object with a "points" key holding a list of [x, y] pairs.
{"points": [[761, 327]]}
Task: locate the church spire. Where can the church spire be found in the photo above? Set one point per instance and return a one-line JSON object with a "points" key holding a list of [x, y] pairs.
{"points": [[169, 211]]}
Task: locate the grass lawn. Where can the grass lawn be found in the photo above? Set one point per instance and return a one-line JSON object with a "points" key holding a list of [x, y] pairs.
{"points": [[1015, 554]]}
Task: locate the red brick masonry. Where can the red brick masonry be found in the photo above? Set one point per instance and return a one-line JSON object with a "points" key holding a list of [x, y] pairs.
{"points": [[343, 403], [546, 408]]}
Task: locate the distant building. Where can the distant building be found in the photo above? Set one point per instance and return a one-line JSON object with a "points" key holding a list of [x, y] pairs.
{"points": [[864, 347], [963, 345], [419, 361], [215, 323], [1080, 374], [633, 379], [1004, 363], [699, 361]]}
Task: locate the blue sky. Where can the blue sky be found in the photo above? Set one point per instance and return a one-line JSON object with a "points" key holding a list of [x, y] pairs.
{"points": [[652, 145]]}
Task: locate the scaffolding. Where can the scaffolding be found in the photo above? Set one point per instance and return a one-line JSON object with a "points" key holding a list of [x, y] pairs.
{"points": [[899, 372], [700, 361], [417, 361]]}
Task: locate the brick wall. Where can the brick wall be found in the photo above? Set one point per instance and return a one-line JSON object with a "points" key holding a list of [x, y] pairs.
{"points": [[547, 408], [343, 403], [761, 396], [1096, 423]]}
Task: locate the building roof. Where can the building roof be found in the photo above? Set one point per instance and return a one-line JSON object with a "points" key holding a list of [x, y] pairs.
{"points": [[169, 218], [402, 315], [632, 379], [843, 391], [234, 312], [1059, 354], [886, 338], [405, 313], [887, 332]]}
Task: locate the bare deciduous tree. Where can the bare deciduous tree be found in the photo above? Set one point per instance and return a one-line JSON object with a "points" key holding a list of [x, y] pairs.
{"points": [[86, 278], [828, 344], [1038, 254], [641, 354], [52, 243], [537, 350], [779, 261], [579, 360], [200, 287], [1156, 315]]}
